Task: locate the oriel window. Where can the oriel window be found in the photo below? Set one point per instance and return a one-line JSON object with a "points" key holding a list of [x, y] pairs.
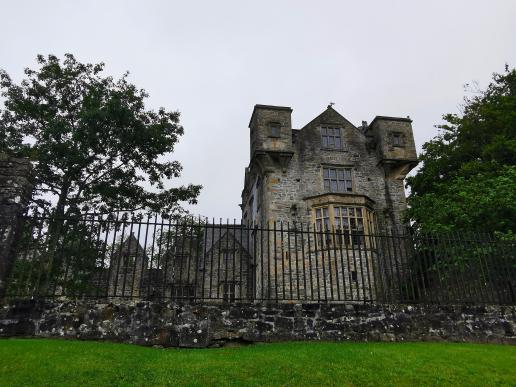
{"points": [[342, 225]]}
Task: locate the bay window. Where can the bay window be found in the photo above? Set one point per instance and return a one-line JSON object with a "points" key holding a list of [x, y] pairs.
{"points": [[343, 225]]}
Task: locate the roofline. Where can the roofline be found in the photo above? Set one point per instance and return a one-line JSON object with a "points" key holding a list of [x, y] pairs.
{"points": [[269, 107], [328, 108], [387, 118]]}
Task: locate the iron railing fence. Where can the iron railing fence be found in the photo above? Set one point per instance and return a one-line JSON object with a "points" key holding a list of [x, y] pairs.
{"points": [[131, 256]]}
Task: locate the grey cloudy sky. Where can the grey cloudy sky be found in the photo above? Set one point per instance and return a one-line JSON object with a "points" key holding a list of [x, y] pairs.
{"points": [[213, 60]]}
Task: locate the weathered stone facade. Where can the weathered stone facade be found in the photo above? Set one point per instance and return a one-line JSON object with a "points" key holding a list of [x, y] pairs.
{"points": [[212, 264], [346, 181], [284, 180], [168, 324], [15, 190]]}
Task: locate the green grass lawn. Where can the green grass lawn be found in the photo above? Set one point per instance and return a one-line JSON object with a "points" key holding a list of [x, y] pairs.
{"points": [[25, 362]]}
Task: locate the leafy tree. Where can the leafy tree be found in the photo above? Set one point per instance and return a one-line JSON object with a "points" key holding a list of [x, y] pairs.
{"points": [[91, 139], [467, 179]]}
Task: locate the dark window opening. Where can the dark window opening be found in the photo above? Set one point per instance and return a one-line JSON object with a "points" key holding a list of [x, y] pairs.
{"points": [[275, 130], [397, 139]]}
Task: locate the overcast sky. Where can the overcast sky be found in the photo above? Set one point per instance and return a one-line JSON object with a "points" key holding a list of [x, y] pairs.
{"points": [[214, 60]]}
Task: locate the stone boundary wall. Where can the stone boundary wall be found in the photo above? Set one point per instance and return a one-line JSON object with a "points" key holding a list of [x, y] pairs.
{"points": [[173, 325]]}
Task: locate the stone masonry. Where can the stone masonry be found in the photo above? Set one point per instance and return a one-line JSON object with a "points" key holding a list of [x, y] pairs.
{"points": [[15, 190], [344, 180], [196, 325], [284, 179]]}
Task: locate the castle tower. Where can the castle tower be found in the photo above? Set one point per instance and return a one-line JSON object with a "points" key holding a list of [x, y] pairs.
{"points": [[396, 154], [271, 150]]}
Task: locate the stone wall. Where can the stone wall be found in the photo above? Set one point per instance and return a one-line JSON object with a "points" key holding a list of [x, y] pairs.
{"points": [[15, 190], [165, 324], [291, 173]]}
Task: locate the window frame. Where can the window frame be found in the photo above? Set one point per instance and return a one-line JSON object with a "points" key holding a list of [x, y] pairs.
{"points": [[230, 295], [128, 261], [228, 255], [400, 140], [351, 236], [272, 127], [324, 131], [183, 291], [347, 178]]}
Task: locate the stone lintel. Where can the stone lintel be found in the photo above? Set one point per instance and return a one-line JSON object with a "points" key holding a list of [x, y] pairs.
{"points": [[339, 198]]}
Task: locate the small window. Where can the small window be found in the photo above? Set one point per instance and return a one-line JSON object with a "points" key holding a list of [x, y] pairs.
{"points": [[330, 138], [397, 139], [128, 261], [183, 291], [275, 130], [354, 276], [228, 255], [228, 292]]}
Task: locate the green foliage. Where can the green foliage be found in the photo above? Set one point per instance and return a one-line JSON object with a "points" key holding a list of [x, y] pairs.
{"points": [[467, 179], [68, 267], [91, 139], [484, 201]]}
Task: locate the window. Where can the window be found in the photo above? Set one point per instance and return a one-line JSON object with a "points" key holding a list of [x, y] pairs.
{"points": [[343, 225], [275, 129], [337, 179], [349, 224], [322, 221], [258, 193], [128, 261], [330, 137], [397, 139], [228, 255], [183, 291], [228, 291]]}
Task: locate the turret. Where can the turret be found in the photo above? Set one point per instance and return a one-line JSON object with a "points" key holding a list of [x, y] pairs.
{"points": [[395, 146], [271, 129]]}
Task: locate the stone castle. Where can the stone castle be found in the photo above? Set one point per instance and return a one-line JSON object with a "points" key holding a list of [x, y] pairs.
{"points": [[330, 172], [341, 178]]}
